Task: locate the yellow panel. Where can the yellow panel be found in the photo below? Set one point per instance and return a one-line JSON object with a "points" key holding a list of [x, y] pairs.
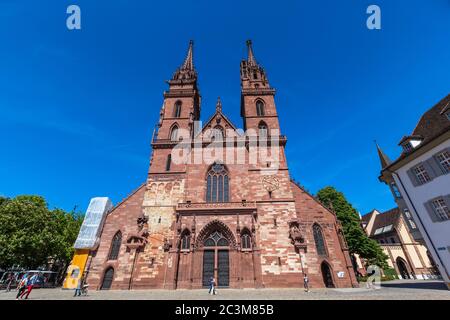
{"points": [[76, 269]]}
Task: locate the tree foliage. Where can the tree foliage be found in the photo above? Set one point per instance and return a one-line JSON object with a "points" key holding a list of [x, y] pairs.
{"points": [[32, 235], [357, 239]]}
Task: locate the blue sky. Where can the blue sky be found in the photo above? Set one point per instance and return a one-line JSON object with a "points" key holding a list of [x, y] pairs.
{"points": [[78, 107]]}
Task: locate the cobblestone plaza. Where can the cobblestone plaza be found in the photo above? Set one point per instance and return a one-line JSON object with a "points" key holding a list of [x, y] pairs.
{"points": [[392, 290]]}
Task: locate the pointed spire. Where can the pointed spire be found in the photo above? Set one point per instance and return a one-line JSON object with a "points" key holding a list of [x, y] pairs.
{"points": [[219, 105], [186, 72], [189, 61], [251, 58], [384, 159]]}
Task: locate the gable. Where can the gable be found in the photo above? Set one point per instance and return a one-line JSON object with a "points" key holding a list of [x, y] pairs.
{"points": [[131, 202], [218, 119], [307, 204]]}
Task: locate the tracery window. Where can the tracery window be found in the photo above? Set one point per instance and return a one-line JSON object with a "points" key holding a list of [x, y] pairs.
{"points": [[115, 246], [186, 241], [318, 239], [177, 109], [174, 134], [246, 240], [216, 239], [262, 127], [217, 184], [259, 108]]}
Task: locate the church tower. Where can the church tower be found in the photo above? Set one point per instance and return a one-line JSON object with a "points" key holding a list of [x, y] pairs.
{"points": [[259, 112], [181, 102], [181, 108], [257, 96]]}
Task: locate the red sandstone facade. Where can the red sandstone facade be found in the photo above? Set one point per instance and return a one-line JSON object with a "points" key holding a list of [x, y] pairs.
{"points": [[245, 223]]}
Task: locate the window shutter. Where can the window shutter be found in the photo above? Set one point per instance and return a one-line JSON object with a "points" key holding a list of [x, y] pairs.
{"points": [[434, 162], [430, 170], [438, 164], [430, 209], [447, 201], [412, 177]]}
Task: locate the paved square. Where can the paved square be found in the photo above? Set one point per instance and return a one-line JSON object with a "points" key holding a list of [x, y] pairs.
{"points": [[392, 290]]}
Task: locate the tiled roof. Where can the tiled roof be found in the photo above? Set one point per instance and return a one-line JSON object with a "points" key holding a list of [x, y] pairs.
{"points": [[365, 218], [433, 122], [431, 125], [387, 218]]}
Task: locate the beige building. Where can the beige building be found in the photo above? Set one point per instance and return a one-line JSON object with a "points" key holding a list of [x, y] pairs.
{"points": [[409, 258]]}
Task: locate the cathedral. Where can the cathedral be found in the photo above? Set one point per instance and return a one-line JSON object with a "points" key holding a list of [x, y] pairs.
{"points": [[219, 202]]}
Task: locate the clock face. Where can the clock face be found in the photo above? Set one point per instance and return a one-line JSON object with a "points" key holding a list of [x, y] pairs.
{"points": [[270, 183]]}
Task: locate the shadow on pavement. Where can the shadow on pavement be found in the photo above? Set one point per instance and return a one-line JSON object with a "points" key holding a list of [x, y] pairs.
{"points": [[430, 285]]}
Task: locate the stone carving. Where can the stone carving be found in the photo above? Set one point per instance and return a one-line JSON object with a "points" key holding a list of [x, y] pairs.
{"points": [[213, 205], [167, 245], [295, 234], [142, 226], [141, 221]]}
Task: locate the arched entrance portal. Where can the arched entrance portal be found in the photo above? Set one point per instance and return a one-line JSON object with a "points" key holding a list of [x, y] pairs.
{"points": [[107, 279], [216, 260], [326, 275], [402, 269]]}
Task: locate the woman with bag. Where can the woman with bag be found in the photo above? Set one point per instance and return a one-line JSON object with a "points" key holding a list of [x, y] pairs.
{"points": [[22, 286]]}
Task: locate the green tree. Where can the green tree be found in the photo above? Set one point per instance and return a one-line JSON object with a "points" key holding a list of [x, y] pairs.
{"points": [[33, 236], [357, 239]]}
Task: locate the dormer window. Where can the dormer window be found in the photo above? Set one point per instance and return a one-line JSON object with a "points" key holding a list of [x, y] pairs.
{"points": [[409, 143], [447, 114], [407, 147]]}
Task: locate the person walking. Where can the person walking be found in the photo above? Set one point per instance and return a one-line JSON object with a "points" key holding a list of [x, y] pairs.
{"points": [[212, 286], [79, 286], [9, 282], [22, 287], [306, 282], [30, 284]]}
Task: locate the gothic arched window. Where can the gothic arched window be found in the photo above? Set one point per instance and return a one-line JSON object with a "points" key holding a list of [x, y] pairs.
{"points": [[262, 128], [259, 108], [217, 184], [115, 246], [177, 109], [186, 240], [246, 240], [318, 239], [174, 134], [216, 239]]}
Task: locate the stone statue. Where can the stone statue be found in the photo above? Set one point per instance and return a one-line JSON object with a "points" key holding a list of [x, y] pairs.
{"points": [[296, 236]]}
